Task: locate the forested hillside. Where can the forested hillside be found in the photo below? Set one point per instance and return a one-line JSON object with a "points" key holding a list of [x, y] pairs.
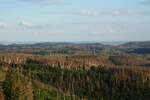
{"points": [[78, 74]]}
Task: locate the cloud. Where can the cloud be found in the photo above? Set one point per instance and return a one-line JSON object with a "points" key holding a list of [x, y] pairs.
{"points": [[120, 12], [113, 12], [26, 24], [44, 1], [145, 2], [90, 13], [3, 25], [116, 12], [131, 12]]}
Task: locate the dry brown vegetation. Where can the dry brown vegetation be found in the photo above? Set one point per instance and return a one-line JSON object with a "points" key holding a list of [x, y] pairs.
{"points": [[83, 74]]}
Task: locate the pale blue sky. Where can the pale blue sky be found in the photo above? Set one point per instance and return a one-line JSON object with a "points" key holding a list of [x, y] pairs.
{"points": [[74, 20]]}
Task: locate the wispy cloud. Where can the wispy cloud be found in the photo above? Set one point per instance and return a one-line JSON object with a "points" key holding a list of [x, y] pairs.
{"points": [[121, 12], [2, 25], [44, 1], [113, 12], [90, 12], [26, 24], [131, 12], [29, 25]]}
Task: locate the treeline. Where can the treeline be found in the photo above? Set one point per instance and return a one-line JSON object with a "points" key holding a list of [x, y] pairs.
{"points": [[76, 60], [68, 61], [76, 77], [130, 60], [19, 87], [97, 83]]}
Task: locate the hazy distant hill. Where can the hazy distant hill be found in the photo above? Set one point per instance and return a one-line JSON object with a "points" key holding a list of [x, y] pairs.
{"points": [[75, 47], [137, 44], [136, 47]]}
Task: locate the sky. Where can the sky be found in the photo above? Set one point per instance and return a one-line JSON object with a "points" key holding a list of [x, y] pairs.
{"points": [[74, 20]]}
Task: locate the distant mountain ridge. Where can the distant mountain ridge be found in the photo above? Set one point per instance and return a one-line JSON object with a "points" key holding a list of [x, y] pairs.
{"points": [[138, 44], [86, 42], [136, 47], [72, 47]]}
